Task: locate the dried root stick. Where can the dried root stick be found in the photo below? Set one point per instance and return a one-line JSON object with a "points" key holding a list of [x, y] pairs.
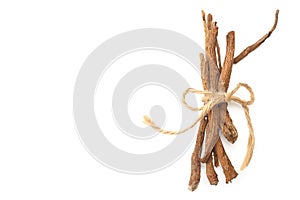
{"points": [[196, 164], [227, 167]]}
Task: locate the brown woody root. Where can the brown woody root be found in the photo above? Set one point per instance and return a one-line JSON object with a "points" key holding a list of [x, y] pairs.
{"points": [[196, 164], [216, 77]]}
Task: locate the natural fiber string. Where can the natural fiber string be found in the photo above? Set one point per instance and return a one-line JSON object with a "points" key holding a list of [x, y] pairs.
{"points": [[212, 99]]}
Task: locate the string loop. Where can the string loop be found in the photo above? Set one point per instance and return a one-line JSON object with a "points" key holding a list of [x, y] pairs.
{"points": [[212, 99]]}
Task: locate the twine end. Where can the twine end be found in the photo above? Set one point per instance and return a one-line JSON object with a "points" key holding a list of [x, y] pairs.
{"points": [[243, 167], [147, 120]]}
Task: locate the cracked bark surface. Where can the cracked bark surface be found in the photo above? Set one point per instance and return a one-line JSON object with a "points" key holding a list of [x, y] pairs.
{"points": [[215, 78]]}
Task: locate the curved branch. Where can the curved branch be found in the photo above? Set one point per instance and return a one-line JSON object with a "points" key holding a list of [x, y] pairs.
{"points": [[254, 46]]}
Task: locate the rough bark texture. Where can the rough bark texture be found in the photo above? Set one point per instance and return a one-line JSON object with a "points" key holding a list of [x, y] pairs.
{"points": [[211, 33], [196, 164], [215, 78], [227, 167], [229, 130], [210, 172], [217, 82]]}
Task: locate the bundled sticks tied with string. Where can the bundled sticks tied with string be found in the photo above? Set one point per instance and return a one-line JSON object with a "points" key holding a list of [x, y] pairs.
{"points": [[214, 117]]}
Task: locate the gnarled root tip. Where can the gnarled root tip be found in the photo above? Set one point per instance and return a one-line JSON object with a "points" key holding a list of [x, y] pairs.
{"points": [[193, 187]]}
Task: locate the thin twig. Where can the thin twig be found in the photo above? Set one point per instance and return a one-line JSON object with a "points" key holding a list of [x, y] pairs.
{"points": [[254, 46]]}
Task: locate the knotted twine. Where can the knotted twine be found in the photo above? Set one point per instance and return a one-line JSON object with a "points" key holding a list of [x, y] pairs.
{"points": [[212, 99]]}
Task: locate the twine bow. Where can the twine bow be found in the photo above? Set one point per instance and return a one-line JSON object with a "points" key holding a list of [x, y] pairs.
{"points": [[212, 99]]}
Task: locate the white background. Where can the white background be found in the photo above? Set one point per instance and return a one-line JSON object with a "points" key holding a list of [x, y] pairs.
{"points": [[42, 47]]}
